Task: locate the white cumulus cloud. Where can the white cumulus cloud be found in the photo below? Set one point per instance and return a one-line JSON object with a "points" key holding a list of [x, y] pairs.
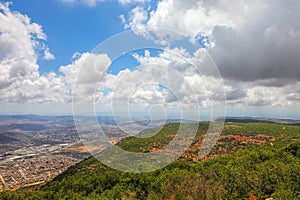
{"points": [[255, 44]]}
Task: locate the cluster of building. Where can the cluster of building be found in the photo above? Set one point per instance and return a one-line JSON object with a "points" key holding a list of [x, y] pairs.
{"points": [[29, 152], [35, 165]]}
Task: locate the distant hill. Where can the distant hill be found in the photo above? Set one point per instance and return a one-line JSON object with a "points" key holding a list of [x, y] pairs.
{"points": [[111, 120], [259, 119], [24, 127], [5, 138]]}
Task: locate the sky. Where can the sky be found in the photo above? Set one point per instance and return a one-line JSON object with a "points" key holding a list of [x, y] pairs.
{"points": [[234, 58]]}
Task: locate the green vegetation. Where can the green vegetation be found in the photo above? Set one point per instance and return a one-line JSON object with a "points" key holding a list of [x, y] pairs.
{"points": [[269, 169], [282, 131], [164, 135]]}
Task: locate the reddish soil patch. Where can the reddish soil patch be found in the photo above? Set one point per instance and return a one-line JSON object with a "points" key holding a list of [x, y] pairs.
{"points": [[156, 144], [252, 197], [194, 157], [154, 149], [236, 137], [195, 146], [233, 126]]}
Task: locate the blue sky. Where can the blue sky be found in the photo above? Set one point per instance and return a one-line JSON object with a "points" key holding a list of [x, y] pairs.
{"points": [[72, 28], [253, 48]]}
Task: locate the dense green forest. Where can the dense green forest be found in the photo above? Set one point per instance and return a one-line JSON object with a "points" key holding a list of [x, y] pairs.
{"points": [[250, 161]]}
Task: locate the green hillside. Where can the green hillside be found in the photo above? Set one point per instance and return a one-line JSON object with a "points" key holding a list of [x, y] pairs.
{"points": [[164, 135], [250, 161]]}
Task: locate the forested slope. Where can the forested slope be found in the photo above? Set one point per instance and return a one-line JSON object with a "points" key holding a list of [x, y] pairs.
{"points": [[243, 169]]}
